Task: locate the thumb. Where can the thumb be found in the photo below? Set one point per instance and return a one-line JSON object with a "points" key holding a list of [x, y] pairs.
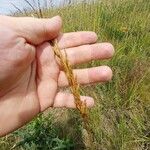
{"points": [[34, 30]]}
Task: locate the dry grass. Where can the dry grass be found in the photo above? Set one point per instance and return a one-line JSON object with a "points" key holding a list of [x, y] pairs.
{"points": [[75, 90], [72, 80]]}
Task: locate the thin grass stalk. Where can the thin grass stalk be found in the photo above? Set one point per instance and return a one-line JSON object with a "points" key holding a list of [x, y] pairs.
{"points": [[75, 90], [17, 8], [40, 9], [32, 7]]}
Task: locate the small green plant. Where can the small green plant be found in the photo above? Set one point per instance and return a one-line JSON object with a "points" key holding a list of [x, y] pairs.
{"points": [[41, 134]]}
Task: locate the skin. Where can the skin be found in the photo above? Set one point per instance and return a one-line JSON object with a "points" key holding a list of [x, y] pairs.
{"points": [[30, 76]]}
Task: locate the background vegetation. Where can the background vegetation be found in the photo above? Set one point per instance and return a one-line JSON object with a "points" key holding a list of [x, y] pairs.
{"points": [[121, 118]]}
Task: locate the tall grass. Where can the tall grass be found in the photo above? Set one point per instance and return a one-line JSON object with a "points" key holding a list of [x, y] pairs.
{"points": [[120, 120]]}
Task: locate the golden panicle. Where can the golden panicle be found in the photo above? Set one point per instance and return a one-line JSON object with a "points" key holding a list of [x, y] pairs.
{"points": [[72, 80]]}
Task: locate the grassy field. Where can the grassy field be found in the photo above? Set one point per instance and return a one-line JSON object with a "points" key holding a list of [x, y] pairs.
{"points": [[121, 118]]}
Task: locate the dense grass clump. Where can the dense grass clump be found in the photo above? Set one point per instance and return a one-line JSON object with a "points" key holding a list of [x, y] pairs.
{"points": [[121, 118]]}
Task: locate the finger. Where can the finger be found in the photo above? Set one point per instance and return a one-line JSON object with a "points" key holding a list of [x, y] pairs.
{"points": [[86, 53], [46, 90], [47, 65], [67, 100], [34, 30], [76, 39], [87, 76], [47, 76]]}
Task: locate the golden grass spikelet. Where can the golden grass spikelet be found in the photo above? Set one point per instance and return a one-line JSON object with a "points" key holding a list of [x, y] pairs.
{"points": [[72, 80]]}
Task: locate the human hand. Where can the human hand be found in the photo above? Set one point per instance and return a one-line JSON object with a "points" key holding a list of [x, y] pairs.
{"points": [[30, 76]]}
